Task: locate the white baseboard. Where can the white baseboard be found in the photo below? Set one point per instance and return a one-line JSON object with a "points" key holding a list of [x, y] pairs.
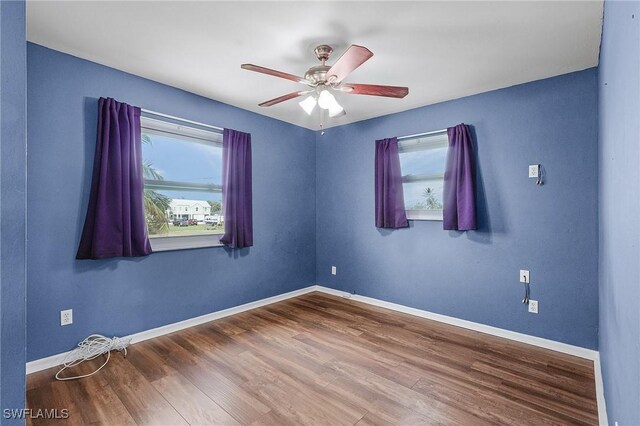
{"points": [[55, 360], [602, 405], [482, 328]]}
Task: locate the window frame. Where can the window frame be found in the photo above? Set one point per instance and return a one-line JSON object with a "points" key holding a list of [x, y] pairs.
{"points": [[193, 134], [423, 142]]}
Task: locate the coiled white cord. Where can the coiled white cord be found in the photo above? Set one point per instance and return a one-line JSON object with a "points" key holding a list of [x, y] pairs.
{"points": [[91, 348]]}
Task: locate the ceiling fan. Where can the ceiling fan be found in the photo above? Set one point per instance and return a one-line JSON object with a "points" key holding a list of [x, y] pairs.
{"points": [[324, 79]]}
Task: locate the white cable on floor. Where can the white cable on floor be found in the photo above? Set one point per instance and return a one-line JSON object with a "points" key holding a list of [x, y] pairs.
{"points": [[91, 348]]}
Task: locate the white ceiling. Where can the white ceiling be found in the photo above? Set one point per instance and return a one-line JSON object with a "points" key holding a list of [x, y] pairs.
{"points": [[440, 50]]}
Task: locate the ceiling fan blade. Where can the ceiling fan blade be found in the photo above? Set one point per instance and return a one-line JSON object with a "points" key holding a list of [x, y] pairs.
{"points": [[375, 90], [274, 73], [349, 61], [282, 98]]}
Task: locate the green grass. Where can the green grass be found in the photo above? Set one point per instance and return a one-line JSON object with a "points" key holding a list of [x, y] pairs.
{"points": [[177, 231]]}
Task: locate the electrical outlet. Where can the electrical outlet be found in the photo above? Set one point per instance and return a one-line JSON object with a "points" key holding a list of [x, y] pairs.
{"points": [[533, 306], [524, 276], [534, 170], [66, 317], [334, 270]]}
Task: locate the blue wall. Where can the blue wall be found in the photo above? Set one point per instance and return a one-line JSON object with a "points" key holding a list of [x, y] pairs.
{"points": [[13, 145], [550, 230], [120, 297], [619, 85]]}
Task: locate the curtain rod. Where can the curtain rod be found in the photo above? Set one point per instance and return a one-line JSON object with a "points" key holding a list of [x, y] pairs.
{"points": [[418, 135], [184, 120]]}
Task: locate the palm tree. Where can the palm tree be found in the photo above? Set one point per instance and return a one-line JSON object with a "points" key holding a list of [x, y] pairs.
{"points": [[156, 205], [431, 202]]}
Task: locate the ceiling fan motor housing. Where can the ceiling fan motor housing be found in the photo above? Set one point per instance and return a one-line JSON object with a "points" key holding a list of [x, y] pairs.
{"points": [[318, 74]]}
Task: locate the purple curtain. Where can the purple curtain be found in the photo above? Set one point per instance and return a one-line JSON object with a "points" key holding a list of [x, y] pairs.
{"points": [[115, 223], [236, 189], [459, 212], [390, 211]]}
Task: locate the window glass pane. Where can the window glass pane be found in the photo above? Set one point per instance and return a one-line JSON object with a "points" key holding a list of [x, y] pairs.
{"points": [[422, 161], [424, 195], [428, 161], [173, 159], [183, 178]]}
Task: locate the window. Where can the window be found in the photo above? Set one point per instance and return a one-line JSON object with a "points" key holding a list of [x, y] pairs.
{"points": [[182, 167], [422, 160]]}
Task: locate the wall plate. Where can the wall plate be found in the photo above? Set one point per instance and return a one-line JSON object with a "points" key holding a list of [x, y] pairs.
{"points": [[66, 317], [534, 170]]}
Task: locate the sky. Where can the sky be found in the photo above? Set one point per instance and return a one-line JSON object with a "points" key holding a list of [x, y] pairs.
{"points": [[185, 161]]}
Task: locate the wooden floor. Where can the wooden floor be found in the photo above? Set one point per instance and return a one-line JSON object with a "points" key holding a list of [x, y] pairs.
{"points": [[324, 360]]}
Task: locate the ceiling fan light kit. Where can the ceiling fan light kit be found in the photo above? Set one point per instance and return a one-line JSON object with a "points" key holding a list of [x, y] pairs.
{"points": [[308, 104], [336, 110], [323, 79], [326, 99]]}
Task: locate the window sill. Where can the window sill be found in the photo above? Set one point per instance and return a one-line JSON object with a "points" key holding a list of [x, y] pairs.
{"points": [[160, 244], [424, 215]]}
